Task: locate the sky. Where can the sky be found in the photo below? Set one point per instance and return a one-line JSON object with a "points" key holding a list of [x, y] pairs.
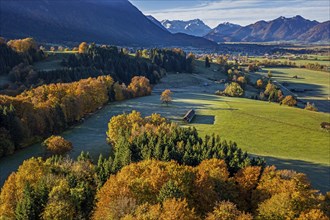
{"points": [[243, 12]]}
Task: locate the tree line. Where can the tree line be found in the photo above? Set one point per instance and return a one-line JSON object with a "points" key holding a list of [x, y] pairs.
{"points": [[18, 51], [50, 109], [109, 60]]}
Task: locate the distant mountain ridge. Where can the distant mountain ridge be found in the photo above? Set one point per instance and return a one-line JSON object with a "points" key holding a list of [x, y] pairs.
{"points": [[280, 29], [106, 22], [156, 22], [222, 32], [194, 27]]}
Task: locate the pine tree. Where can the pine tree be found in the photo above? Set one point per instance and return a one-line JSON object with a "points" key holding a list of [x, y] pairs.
{"points": [[166, 155], [169, 190], [207, 62], [25, 208]]}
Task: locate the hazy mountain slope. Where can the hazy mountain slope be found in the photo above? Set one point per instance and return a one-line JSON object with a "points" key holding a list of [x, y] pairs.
{"points": [[320, 32], [156, 22], [222, 32], [194, 27], [281, 29], [113, 22]]}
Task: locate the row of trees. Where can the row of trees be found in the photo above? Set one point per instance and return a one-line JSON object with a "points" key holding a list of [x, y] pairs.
{"points": [[173, 60], [109, 60], [60, 188], [273, 94], [18, 51], [285, 63], [49, 109]]}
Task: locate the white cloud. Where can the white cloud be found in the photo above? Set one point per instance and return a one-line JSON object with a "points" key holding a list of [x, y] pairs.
{"points": [[246, 12]]}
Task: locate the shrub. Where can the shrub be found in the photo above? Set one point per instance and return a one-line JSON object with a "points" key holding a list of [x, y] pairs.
{"points": [[311, 107], [270, 75]]}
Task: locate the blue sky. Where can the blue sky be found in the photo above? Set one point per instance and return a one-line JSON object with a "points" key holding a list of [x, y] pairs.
{"points": [[242, 12]]}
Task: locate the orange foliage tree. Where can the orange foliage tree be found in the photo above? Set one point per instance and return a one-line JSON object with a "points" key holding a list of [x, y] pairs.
{"points": [[83, 47], [57, 145]]}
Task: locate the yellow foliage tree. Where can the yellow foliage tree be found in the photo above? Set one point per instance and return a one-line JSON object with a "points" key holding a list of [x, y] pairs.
{"points": [[228, 211], [83, 47], [170, 209], [59, 204], [313, 214], [23, 45], [139, 86], [166, 96]]}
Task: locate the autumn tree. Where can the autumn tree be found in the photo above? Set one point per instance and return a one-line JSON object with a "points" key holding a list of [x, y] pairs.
{"points": [[23, 45], [140, 86], [147, 190], [234, 90], [166, 96], [83, 47], [226, 210], [57, 145], [289, 101], [260, 83], [59, 204], [313, 214], [241, 81]]}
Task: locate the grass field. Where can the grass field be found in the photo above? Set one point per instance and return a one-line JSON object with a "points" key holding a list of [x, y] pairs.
{"points": [[322, 60], [53, 61], [317, 80], [316, 84], [258, 127]]}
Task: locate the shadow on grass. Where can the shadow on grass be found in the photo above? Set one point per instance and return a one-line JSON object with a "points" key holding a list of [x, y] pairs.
{"points": [[318, 174], [203, 119]]}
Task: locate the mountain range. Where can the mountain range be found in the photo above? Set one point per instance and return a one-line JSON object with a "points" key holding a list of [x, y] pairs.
{"points": [[281, 29], [194, 27], [121, 23], [105, 22]]}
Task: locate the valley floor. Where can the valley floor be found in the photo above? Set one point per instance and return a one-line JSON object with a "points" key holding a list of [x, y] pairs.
{"points": [[290, 138]]}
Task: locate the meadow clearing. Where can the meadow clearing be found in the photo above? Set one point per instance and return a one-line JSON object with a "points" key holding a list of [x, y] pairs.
{"points": [[322, 60]]}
